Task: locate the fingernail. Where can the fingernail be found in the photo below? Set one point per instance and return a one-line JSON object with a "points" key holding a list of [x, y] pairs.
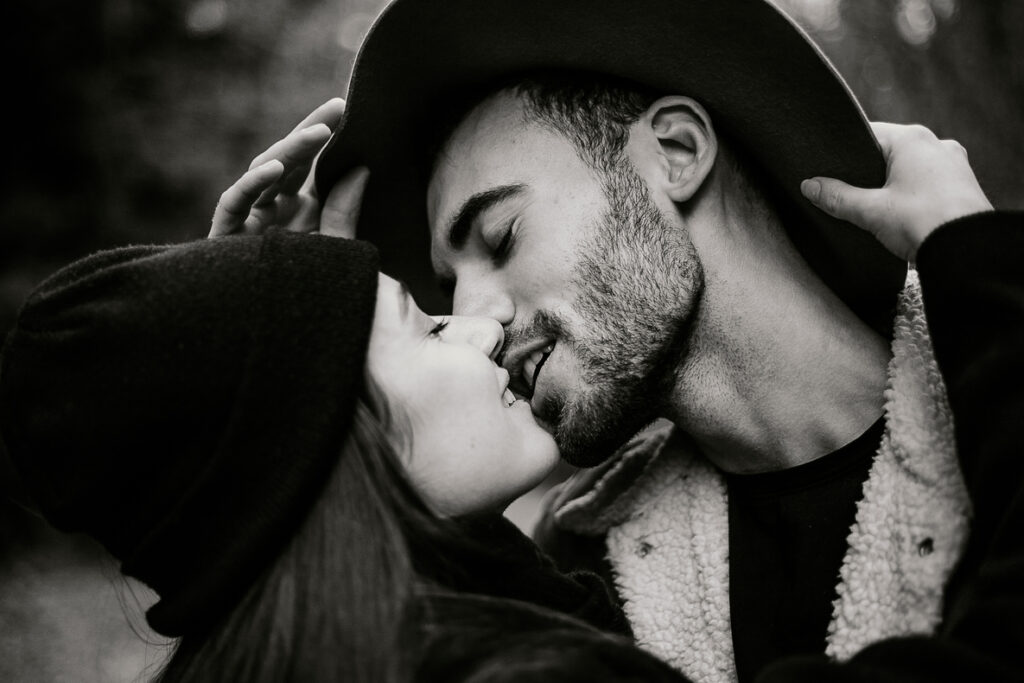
{"points": [[359, 174], [811, 189]]}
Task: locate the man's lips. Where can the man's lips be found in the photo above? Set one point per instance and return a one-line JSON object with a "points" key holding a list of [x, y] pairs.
{"points": [[532, 365]]}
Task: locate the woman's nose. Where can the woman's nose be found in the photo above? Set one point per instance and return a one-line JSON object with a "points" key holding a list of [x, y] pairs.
{"points": [[485, 334]]}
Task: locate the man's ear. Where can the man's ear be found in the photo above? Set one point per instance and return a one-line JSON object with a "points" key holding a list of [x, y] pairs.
{"points": [[686, 145]]}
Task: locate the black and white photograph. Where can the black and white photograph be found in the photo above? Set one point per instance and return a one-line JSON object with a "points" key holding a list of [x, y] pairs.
{"points": [[500, 341]]}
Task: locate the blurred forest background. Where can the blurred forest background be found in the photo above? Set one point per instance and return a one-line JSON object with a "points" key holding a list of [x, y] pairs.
{"points": [[127, 118]]}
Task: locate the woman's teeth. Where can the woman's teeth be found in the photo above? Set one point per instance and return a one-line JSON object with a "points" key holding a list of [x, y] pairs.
{"points": [[509, 398]]}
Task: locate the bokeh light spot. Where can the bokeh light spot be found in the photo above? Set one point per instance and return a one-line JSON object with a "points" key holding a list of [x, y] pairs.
{"points": [[877, 72], [944, 9], [207, 16], [352, 30], [916, 21]]}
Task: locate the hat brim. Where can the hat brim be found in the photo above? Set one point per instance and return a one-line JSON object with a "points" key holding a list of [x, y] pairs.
{"points": [[765, 84]]}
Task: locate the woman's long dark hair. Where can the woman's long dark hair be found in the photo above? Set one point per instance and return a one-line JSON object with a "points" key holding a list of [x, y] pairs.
{"points": [[376, 588], [336, 603]]}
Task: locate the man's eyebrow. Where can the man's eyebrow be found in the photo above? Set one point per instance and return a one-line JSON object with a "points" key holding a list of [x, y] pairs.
{"points": [[460, 226]]}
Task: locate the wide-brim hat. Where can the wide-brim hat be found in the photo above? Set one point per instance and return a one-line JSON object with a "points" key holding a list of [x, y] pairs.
{"points": [[764, 82]]}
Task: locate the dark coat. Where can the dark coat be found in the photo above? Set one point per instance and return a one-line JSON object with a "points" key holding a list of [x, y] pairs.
{"points": [[505, 613], [973, 286]]}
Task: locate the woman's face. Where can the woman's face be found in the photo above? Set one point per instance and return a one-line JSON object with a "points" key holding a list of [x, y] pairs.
{"points": [[470, 450]]}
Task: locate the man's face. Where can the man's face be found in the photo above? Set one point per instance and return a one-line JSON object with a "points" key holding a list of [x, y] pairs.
{"points": [[595, 287]]}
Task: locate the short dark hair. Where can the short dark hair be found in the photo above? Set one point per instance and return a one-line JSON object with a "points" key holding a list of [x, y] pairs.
{"points": [[594, 112]]}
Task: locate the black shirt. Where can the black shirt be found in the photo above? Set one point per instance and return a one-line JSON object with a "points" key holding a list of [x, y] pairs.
{"points": [[787, 540]]}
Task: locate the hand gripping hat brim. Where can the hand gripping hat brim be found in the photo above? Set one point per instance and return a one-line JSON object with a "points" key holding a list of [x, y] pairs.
{"points": [[764, 82]]}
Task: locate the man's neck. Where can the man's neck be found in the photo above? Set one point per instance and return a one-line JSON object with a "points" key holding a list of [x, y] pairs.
{"points": [[780, 371]]}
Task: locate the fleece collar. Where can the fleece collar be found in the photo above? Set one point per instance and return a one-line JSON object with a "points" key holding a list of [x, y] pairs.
{"points": [[663, 511]]}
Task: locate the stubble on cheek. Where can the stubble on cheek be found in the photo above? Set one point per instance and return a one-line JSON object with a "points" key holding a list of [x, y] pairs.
{"points": [[639, 283]]}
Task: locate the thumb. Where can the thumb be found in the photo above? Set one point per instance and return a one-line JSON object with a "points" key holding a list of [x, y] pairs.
{"points": [[340, 214], [839, 200]]}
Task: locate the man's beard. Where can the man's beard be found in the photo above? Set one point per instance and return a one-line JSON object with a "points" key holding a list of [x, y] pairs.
{"points": [[639, 282]]}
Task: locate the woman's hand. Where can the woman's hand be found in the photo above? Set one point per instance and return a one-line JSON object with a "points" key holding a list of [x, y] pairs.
{"points": [[929, 182], [278, 189]]}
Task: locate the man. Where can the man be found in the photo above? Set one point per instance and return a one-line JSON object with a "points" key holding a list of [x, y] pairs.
{"points": [[644, 246], [664, 286]]}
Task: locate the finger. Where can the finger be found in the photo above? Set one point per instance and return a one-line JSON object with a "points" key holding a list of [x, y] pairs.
{"points": [[886, 134], [296, 148], [259, 219], [341, 208], [297, 157], [329, 113], [305, 218], [292, 181], [304, 182], [836, 198], [237, 201]]}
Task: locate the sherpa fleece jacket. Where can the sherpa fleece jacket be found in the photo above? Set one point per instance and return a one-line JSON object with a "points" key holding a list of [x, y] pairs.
{"points": [[932, 584]]}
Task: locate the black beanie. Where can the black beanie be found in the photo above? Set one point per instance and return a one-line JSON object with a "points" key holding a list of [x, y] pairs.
{"points": [[185, 404]]}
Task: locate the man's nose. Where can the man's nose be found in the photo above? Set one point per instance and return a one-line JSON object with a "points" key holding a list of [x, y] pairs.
{"points": [[485, 334], [483, 297]]}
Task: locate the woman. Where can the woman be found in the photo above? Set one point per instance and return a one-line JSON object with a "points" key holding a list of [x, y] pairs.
{"points": [[307, 469]]}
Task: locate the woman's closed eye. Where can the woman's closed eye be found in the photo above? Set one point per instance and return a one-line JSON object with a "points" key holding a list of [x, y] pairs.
{"points": [[437, 329]]}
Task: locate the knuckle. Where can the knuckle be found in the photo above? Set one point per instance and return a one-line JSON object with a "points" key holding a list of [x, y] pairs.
{"points": [[833, 199], [920, 132], [230, 204], [956, 147]]}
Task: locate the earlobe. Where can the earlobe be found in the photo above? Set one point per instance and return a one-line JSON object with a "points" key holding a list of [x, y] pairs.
{"points": [[687, 145]]}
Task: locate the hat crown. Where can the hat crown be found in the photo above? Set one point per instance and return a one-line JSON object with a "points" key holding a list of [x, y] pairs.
{"points": [[762, 79]]}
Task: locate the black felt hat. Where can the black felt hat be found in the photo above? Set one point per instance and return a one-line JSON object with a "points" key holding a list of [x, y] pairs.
{"points": [[184, 405], [762, 79]]}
